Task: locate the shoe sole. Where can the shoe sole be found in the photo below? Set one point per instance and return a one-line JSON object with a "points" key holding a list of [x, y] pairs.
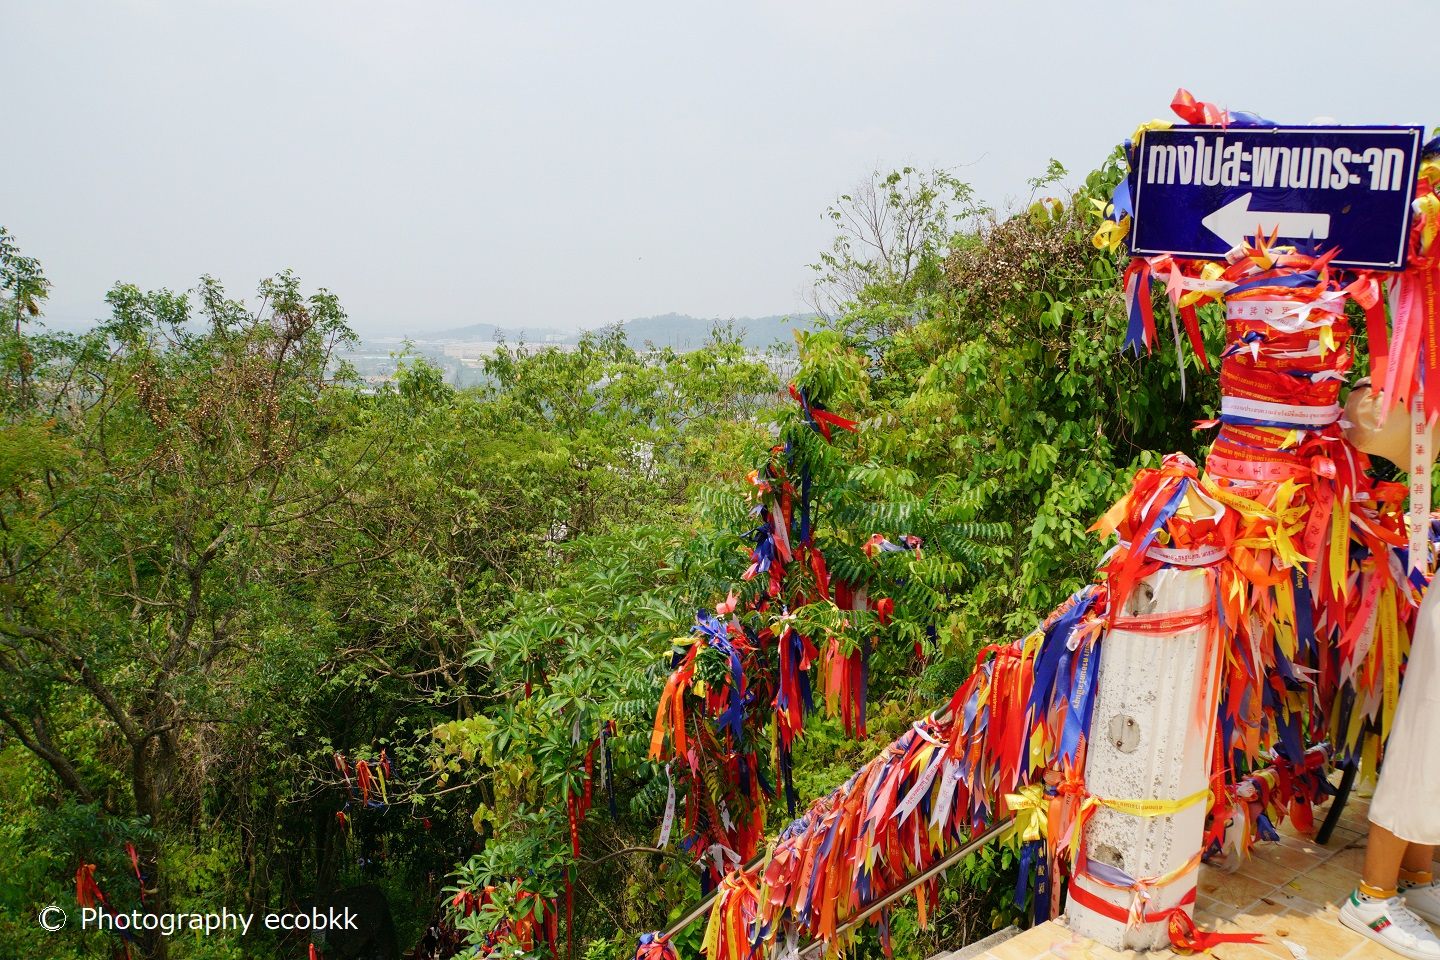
{"points": [[1363, 928]]}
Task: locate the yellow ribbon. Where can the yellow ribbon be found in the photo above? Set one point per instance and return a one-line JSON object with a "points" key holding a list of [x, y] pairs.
{"points": [[1339, 545], [1209, 272], [1388, 624], [1149, 125], [1111, 233], [1428, 210], [1247, 508], [1030, 809], [1154, 808]]}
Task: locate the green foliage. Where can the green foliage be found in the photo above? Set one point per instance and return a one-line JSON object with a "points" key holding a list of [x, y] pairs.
{"points": [[999, 419], [223, 562], [1014, 386]]}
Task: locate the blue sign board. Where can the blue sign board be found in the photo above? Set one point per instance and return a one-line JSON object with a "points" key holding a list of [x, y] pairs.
{"points": [[1200, 191]]}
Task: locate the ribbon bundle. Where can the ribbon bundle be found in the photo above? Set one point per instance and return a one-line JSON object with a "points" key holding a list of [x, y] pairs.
{"points": [[925, 793], [1315, 552], [89, 894], [706, 724], [369, 784], [370, 779], [1011, 741], [654, 946], [538, 922]]}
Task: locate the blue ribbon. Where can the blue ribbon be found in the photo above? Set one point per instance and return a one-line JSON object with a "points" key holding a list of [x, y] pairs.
{"points": [[715, 635], [1041, 910], [1054, 655], [1120, 200], [1027, 868], [1244, 118], [609, 770], [1307, 278], [1077, 718], [1239, 421], [1304, 614], [1163, 517], [805, 504], [1135, 331]]}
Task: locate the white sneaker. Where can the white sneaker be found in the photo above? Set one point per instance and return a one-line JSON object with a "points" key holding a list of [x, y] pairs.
{"points": [[1424, 900], [1391, 924]]}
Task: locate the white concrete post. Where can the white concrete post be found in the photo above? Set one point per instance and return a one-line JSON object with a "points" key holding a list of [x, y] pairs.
{"points": [[1144, 744]]}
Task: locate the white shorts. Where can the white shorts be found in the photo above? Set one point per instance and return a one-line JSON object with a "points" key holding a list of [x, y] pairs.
{"points": [[1407, 799]]}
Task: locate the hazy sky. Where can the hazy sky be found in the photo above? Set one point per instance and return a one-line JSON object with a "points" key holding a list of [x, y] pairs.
{"points": [[570, 164]]}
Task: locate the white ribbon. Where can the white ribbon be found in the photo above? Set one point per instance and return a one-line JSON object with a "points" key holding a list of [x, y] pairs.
{"points": [[1179, 353], [790, 948], [920, 790], [1193, 557], [940, 812], [725, 858], [1421, 458], [669, 820], [1363, 643], [1280, 412], [1287, 316]]}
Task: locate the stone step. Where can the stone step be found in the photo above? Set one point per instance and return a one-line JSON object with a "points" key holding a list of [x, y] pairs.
{"points": [[975, 949]]}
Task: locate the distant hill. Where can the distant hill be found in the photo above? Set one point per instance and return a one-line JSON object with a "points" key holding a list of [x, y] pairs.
{"points": [[684, 332], [491, 331], [678, 330]]}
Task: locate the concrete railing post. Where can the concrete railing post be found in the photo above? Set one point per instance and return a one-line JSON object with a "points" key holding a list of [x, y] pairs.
{"points": [[1146, 743]]}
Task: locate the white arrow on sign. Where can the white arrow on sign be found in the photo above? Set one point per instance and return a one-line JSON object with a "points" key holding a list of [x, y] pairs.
{"points": [[1235, 221]]}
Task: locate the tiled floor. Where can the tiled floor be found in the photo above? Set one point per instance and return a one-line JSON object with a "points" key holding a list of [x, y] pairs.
{"points": [[1286, 891]]}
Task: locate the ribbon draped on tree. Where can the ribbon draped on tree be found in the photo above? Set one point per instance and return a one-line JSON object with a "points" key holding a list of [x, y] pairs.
{"points": [[708, 727], [89, 894], [538, 922], [1316, 581]]}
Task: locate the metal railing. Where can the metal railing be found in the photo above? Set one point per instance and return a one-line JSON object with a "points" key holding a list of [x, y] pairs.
{"points": [[812, 949]]}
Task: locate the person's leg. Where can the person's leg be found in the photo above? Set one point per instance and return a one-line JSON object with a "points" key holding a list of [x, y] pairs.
{"points": [[1375, 910], [1384, 853], [1417, 881], [1417, 866]]}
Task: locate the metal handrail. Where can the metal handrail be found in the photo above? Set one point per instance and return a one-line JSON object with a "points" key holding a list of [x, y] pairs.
{"points": [[708, 901], [944, 863], [975, 843], [703, 907]]}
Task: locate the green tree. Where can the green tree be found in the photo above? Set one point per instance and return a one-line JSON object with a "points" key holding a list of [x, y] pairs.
{"points": [[23, 289], [145, 487]]}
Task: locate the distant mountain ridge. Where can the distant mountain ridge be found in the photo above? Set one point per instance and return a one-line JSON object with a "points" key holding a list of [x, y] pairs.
{"points": [[678, 330]]}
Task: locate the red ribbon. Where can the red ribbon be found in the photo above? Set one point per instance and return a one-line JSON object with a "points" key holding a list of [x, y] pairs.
{"points": [[1136, 283], [1184, 935], [87, 891], [1191, 319], [135, 862], [1198, 112], [366, 780], [1421, 295]]}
